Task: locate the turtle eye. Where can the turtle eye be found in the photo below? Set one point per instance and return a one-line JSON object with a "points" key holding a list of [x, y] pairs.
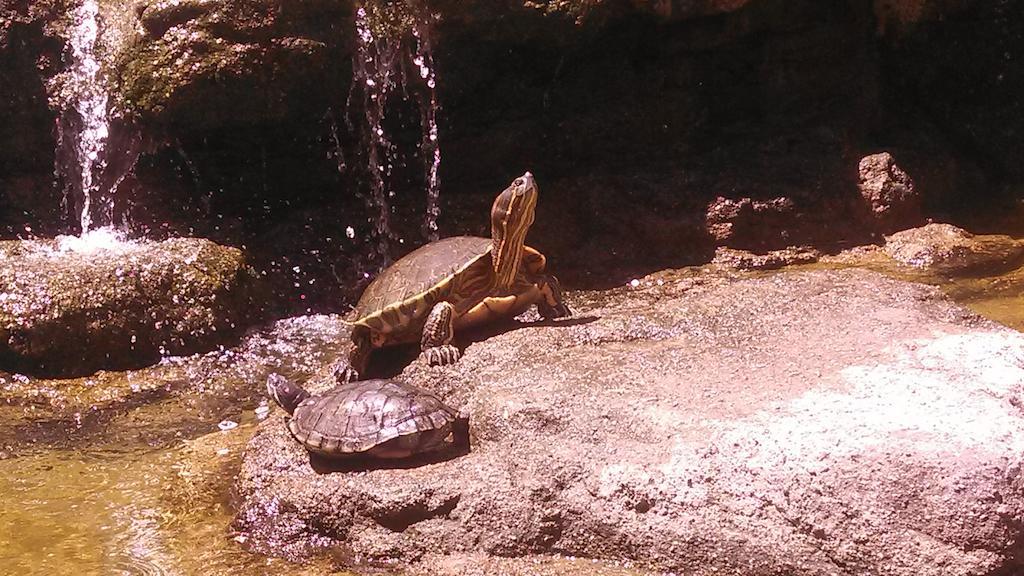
{"points": [[518, 182]]}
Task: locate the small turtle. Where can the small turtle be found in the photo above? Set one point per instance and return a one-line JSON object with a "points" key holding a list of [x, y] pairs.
{"points": [[375, 418], [455, 283]]}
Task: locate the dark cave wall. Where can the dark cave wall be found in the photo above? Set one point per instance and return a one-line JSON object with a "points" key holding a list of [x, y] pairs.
{"points": [[29, 53], [636, 117], [963, 77]]}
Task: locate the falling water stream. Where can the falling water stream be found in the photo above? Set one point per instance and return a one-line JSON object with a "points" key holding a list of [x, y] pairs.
{"points": [[91, 106], [429, 147], [380, 70]]}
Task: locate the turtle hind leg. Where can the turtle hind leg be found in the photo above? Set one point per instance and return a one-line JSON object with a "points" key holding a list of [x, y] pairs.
{"points": [[358, 361], [552, 303], [437, 336]]}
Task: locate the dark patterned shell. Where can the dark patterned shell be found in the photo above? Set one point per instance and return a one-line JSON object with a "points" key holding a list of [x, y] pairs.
{"points": [[359, 416], [420, 270]]}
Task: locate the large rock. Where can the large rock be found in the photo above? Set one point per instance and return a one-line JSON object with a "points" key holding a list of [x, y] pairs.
{"points": [[65, 313], [812, 423], [889, 192], [946, 249]]}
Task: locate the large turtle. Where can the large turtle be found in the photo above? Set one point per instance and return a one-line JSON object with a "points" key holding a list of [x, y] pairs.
{"points": [[374, 418], [456, 283]]}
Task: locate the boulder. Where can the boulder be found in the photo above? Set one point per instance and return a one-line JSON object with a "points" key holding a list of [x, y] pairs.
{"points": [[946, 249], [66, 312], [889, 192], [800, 423]]}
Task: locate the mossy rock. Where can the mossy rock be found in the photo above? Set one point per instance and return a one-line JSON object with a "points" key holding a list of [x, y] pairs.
{"points": [[68, 313], [200, 64]]}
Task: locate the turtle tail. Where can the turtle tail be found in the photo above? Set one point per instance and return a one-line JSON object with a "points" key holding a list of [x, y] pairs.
{"points": [[285, 393]]}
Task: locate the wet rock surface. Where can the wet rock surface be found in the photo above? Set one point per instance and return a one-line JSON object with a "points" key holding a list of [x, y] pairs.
{"points": [[947, 249], [71, 313], [821, 422], [173, 399]]}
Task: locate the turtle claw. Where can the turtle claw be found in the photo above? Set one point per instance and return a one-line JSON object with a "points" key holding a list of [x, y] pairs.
{"points": [[441, 355], [551, 312]]}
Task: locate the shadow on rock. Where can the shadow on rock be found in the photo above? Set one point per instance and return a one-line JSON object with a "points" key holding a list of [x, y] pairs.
{"points": [[325, 465], [483, 333], [390, 361]]}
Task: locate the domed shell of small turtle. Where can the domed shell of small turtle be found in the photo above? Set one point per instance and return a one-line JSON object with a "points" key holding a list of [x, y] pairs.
{"points": [[357, 417], [420, 270]]}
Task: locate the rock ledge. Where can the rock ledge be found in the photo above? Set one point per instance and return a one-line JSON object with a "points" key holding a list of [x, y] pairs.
{"points": [[802, 423]]}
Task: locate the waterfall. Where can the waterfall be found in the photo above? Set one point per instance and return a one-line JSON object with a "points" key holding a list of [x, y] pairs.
{"points": [[383, 63]]}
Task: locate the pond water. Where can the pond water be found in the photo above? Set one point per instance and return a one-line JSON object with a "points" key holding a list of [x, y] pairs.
{"points": [[144, 487]]}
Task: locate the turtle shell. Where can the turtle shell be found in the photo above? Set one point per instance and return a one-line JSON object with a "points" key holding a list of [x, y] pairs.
{"points": [[419, 271], [383, 418]]}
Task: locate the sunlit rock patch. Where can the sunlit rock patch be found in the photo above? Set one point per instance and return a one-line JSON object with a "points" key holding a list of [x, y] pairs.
{"points": [[821, 422], [73, 311], [947, 249]]}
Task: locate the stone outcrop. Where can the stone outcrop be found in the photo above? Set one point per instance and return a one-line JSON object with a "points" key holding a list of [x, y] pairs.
{"points": [[70, 313], [802, 423], [889, 192]]}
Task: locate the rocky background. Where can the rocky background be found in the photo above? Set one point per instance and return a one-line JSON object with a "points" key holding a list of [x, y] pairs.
{"points": [[658, 130]]}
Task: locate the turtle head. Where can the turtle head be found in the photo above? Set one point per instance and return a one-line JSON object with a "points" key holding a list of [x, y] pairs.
{"points": [[285, 393], [511, 217]]}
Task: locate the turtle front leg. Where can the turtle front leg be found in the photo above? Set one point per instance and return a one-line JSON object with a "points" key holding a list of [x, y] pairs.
{"points": [[551, 303], [437, 336]]}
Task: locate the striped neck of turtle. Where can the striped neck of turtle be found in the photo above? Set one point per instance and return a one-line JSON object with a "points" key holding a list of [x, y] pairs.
{"points": [[506, 255]]}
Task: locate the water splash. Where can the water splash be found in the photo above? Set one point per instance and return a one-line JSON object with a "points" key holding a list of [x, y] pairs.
{"points": [[106, 238], [384, 62], [91, 106]]}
